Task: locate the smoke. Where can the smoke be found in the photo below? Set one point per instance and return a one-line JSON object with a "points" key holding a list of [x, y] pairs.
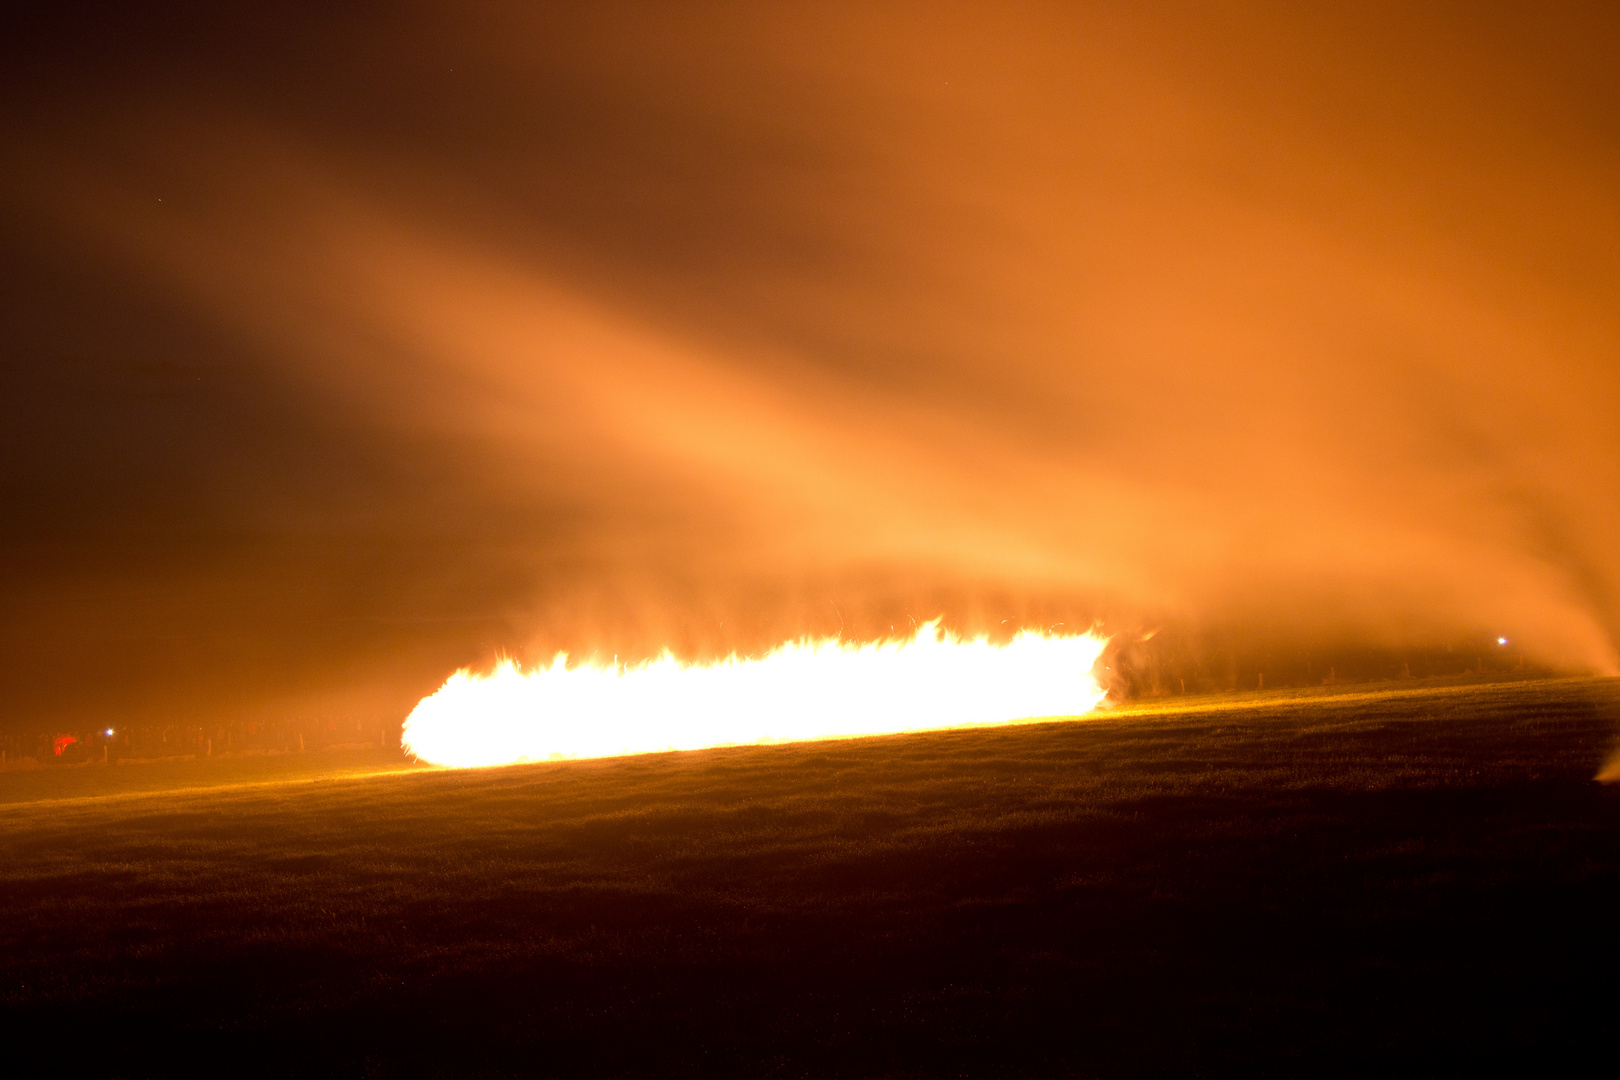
{"points": [[606, 329]]}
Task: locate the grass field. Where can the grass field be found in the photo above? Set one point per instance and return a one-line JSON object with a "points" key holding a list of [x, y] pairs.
{"points": [[1334, 883]]}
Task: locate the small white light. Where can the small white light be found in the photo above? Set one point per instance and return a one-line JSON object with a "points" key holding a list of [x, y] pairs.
{"points": [[1501, 641]]}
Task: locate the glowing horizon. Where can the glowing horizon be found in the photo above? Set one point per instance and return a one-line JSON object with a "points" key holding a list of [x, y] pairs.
{"points": [[801, 691]]}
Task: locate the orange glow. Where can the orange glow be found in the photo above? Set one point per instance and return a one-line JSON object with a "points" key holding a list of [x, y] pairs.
{"points": [[1289, 329], [801, 691]]}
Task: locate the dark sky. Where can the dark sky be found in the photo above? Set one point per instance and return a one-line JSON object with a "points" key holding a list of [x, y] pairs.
{"points": [[349, 344]]}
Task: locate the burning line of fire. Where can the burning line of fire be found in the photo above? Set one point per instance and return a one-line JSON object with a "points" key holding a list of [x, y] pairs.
{"points": [[801, 691]]}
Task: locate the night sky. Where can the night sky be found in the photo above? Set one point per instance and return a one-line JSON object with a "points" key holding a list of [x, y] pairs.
{"points": [[348, 344]]}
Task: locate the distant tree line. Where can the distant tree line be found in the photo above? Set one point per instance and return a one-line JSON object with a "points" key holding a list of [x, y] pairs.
{"points": [[39, 745], [1185, 662]]}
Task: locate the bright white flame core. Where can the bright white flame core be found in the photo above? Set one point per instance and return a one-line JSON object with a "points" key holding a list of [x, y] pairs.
{"points": [[803, 690]]}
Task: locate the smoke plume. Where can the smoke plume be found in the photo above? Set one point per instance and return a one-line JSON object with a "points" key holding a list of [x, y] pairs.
{"points": [[352, 346]]}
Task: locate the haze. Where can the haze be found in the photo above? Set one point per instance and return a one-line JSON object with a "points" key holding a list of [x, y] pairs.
{"points": [[345, 347]]}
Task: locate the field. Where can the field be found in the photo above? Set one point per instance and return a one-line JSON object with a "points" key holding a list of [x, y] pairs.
{"points": [[1422, 881]]}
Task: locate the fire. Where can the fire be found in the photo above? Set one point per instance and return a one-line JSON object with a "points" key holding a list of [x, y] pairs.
{"points": [[803, 690]]}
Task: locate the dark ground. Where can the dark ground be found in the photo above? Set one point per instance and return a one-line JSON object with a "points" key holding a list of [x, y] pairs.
{"points": [[1350, 883]]}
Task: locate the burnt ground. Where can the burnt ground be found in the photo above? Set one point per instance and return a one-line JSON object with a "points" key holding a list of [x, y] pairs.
{"points": [[1416, 882]]}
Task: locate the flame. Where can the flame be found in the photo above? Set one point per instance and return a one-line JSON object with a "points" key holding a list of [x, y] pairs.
{"points": [[803, 690]]}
